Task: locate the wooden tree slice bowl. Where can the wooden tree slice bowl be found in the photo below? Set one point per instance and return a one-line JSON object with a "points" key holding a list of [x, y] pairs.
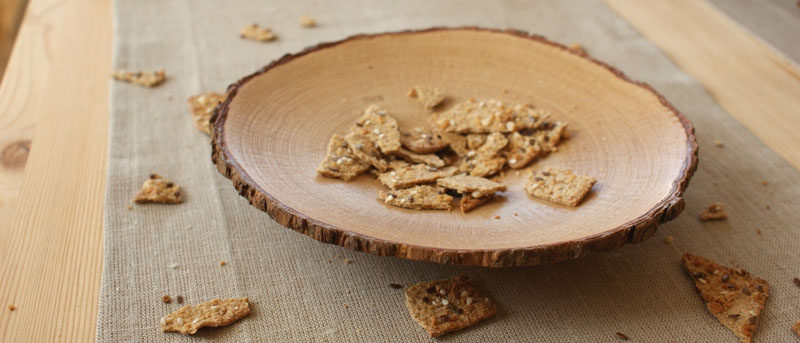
{"points": [[272, 132]]}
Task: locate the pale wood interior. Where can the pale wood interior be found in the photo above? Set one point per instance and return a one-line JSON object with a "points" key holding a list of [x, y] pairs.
{"points": [[280, 122]]}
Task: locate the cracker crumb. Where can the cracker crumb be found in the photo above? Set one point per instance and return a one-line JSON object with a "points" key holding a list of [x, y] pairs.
{"points": [[577, 48], [668, 239], [758, 232], [764, 182], [166, 299], [395, 285], [11, 307], [348, 261], [516, 214], [796, 326], [346, 306], [768, 207], [159, 190], [496, 217], [621, 336], [174, 265], [130, 207], [714, 212], [306, 21], [142, 78], [718, 143], [257, 33], [222, 263], [215, 313], [179, 299]]}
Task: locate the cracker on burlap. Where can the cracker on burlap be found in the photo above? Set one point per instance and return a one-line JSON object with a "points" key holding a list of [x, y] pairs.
{"points": [[340, 162], [142, 78], [444, 306], [159, 190], [202, 108], [734, 297], [257, 33], [714, 211], [559, 186], [422, 197], [217, 312]]}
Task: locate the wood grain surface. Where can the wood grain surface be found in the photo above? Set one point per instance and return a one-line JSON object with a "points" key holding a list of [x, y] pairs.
{"points": [[272, 132], [51, 272]]}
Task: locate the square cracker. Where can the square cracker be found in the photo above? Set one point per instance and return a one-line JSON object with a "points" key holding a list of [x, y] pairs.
{"points": [[447, 305], [340, 162], [381, 128], [217, 312], [159, 190], [485, 116], [714, 212], [422, 141], [365, 149], [422, 197], [142, 78], [477, 187], [734, 297], [202, 108], [559, 186], [428, 96], [404, 175]]}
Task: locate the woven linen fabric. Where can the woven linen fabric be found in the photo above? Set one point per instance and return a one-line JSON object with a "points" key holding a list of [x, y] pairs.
{"points": [[303, 291]]}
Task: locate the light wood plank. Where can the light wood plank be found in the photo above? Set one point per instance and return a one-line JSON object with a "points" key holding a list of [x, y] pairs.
{"points": [[752, 81], [56, 93]]}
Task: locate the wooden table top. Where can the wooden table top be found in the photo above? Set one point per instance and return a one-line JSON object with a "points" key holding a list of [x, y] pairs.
{"points": [[54, 130]]}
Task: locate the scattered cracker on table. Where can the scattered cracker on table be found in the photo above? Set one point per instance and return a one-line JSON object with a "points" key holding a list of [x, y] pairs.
{"points": [[734, 297], [428, 96], [477, 187], [422, 141], [159, 190], [559, 186], [257, 33], [429, 159], [404, 175], [340, 162], [469, 203], [215, 313], [202, 108], [306, 21], [381, 128], [142, 78], [485, 116], [521, 150], [447, 305], [365, 149], [418, 198], [714, 212]]}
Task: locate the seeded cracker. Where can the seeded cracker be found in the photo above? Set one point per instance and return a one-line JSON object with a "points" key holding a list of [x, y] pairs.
{"points": [[159, 190], [418, 198], [447, 305], [202, 107], [365, 149], [381, 129], [457, 143], [142, 78], [521, 150], [422, 141], [550, 135], [487, 116], [559, 186], [257, 33], [340, 162], [217, 312], [484, 161], [736, 298], [428, 96], [475, 140], [406, 175], [477, 187], [714, 212], [469, 203], [429, 159]]}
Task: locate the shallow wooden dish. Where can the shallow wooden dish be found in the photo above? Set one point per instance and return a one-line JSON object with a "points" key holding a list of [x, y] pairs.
{"points": [[272, 131]]}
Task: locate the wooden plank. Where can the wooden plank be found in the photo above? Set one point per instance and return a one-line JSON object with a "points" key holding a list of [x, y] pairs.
{"points": [[55, 94], [752, 81]]}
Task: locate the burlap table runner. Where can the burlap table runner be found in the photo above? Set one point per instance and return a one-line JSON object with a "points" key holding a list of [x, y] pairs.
{"points": [[298, 296]]}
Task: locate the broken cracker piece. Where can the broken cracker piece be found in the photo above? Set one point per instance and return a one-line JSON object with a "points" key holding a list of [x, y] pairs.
{"points": [[429, 159], [485, 116], [736, 298], [257, 33], [456, 142], [521, 150], [142, 78], [418, 198], [306, 21], [550, 135], [475, 140], [340, 162], [469, 203], [381, 128], [447, 305], [714, 212], [202, 108], [159, 190], [559, 186], [422, 141], [365, 149], [215, 313], [482, 166], [477, 187], [406, 175], [428, 96]]}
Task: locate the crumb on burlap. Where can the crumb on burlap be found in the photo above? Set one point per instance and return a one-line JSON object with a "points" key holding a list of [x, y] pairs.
{"points": [[621, 336], [718, 143], [577, 48], [142, 78], [796, 326], [714, 212], [668, 239], [166, 299], [130, 207], [179, 299], [257, 33], [758, 232], [764, 182], [215, 313], [496, 217], [306, 21], [222, 263], [395, 285], [159, 190], [348, 261]]}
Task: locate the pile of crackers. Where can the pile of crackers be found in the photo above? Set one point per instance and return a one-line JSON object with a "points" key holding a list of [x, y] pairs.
{"points": [[459, 155]]}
